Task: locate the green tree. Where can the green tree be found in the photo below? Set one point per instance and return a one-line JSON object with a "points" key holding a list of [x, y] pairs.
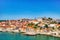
{"points": [[2, 20], [35, 26], [50, 18], [59, 28], [46, 26], [30, 24], [53, 22]]}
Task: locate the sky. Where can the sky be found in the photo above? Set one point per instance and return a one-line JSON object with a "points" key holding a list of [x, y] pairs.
{"points": [[16, 9]]}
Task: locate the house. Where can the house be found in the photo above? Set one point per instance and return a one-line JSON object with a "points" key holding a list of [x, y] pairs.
{"points": [[34, 21], [52, 25]]}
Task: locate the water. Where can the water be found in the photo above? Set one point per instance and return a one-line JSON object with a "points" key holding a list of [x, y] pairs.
{"points": [[18, 36]]}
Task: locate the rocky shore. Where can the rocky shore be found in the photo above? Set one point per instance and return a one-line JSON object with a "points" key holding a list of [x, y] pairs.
{"points": [[55, 34]]}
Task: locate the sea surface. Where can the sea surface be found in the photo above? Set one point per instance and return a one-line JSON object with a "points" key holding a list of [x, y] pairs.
{"points": [[20, 36]]}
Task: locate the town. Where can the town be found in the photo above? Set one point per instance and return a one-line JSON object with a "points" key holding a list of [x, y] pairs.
{"points": [[48, 26]]}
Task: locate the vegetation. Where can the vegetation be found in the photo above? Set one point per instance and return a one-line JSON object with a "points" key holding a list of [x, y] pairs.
{"points": [[58, 22], [53, 22], [35, 26], [30, 24], [2, 20], [53, 28], [59, 28], [43, 18], [46, 26], [50, 18]]}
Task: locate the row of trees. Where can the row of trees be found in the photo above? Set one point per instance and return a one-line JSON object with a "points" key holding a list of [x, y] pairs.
{"points": [[46, 26], [47, 18], [35, 25], [32, 25], [2, 20]]}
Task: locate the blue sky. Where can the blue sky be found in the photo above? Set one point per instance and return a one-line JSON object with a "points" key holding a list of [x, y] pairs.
{"points": [[16, 9]]}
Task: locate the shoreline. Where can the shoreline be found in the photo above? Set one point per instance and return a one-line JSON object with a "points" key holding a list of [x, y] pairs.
{"points": [[33, 34]]}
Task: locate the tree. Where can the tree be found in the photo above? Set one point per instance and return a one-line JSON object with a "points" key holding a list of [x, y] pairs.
{"points": [[53, 22], [53, 28], [30, 24], [50, 18], [2, 20], [46, 26], [59, 28], [58, 22], [43, 18], [35, 26]]}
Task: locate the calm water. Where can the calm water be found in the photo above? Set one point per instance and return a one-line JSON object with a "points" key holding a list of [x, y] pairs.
{"points": [[18, 36]]}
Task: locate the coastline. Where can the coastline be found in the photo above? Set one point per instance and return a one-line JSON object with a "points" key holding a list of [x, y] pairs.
{"points": [[32, 34], [30, 27]]}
